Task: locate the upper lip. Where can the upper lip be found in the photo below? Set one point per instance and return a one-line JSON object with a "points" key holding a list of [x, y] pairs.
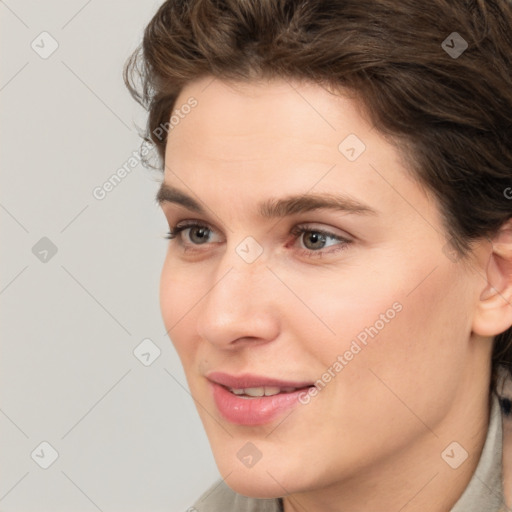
{"points": [[248, 380]]}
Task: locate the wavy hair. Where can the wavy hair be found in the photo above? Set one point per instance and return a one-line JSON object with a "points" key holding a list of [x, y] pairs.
{"points": [[447, 109]]}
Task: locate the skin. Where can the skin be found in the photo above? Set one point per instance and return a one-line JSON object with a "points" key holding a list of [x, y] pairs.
{"points": [[372, 439]]}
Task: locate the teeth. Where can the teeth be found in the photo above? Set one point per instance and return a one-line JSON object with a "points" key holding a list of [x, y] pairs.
{"points": [[261, 391], [255, 391], [271, 390]]}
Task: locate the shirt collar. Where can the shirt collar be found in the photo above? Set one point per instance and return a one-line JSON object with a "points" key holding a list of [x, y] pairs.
{"points": [[484, 492]]}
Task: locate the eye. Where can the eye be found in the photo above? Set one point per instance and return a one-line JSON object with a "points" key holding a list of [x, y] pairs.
{"points": [[191, 233], [314, 240]]}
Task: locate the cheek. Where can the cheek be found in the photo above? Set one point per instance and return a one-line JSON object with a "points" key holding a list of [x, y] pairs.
{"points": [[422, 354], [345, 307], [178, 296], [405, 333]]}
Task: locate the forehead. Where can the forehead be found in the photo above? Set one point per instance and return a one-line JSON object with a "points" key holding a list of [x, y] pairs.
{"points": [[231, 117], [281, 136]]}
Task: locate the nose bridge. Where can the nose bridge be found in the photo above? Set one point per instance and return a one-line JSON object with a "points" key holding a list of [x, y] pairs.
{"points": [[238, 286], [239, 302], [241, 269]]}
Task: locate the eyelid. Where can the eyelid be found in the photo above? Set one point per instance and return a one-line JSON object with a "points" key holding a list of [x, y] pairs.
{"points": [[300, 228]]}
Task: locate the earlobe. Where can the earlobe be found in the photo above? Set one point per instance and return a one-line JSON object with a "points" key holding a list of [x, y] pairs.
{"points": [[494, 310]]}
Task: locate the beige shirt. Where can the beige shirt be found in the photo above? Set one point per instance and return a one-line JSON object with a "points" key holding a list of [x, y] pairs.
{"points": [[484, 492]]}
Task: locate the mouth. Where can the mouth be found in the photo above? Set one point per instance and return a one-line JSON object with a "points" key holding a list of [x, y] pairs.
{"points": [[252, 400], [258, 392]]}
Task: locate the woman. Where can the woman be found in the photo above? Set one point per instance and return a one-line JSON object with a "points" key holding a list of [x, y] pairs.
{"points": [[337, 178]]}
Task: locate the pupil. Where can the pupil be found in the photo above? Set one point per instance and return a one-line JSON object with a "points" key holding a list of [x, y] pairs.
{"points": [[317, 240], [200, 233]]}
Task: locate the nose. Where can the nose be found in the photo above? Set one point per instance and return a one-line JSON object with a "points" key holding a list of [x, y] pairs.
{"points": [[240, 306]]}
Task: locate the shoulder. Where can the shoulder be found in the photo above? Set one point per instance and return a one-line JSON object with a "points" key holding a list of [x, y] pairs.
{"points": [[220, 498]]}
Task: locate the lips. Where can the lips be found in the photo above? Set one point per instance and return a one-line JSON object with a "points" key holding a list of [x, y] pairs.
{"points": [[254, 400]]}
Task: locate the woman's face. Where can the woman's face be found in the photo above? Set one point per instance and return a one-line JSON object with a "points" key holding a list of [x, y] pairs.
{"points": [[313, 258]]}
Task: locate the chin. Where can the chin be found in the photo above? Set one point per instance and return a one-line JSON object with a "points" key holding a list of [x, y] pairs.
{"points": [[262, 486], [266, 479]]}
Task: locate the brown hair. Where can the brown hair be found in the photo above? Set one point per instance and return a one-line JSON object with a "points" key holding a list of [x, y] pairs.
{"points": [[448, 110]]}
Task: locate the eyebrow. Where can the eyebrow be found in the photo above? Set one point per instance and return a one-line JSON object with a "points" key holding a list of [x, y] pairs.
{"points": [[275, 208]]}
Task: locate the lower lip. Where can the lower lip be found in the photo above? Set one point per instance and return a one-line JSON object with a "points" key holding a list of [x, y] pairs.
{"points": [[253, 411]]}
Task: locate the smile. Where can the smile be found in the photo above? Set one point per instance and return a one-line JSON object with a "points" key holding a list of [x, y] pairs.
{"points": [[255, 405]]}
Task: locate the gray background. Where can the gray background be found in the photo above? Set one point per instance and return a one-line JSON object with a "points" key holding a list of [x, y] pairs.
{"points": [[128, 435]]}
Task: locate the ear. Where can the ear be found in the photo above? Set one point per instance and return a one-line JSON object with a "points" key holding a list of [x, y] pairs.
{"points": [[494, 310]]}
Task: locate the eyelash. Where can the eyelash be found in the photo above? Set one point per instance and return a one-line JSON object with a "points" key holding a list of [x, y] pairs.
{"points": [[296, 231]]}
